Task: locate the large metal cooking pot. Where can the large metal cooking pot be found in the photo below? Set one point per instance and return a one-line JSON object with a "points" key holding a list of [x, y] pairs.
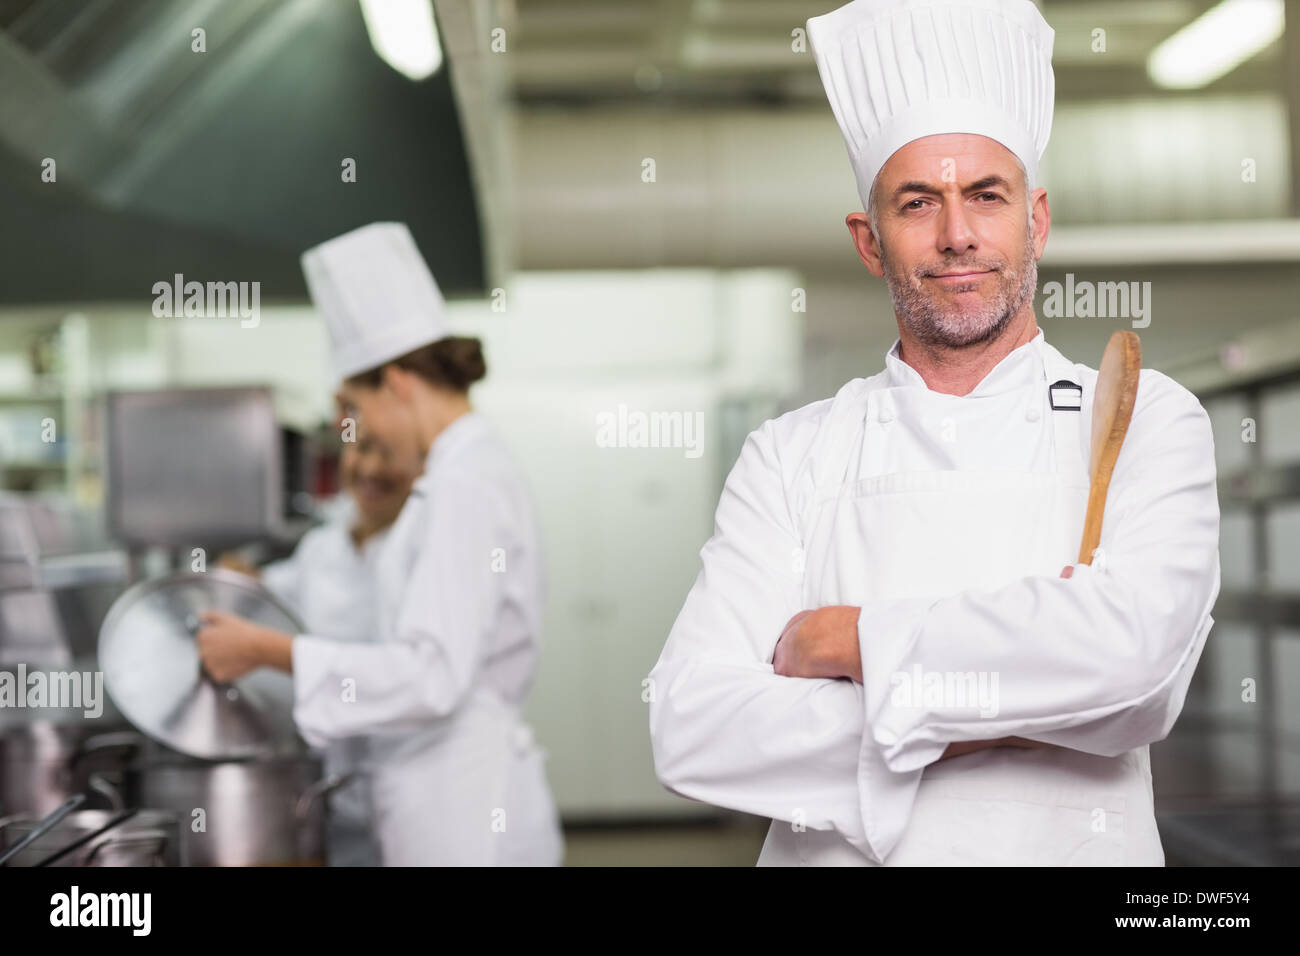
{"points": [[264, 811], [37, 764], [147, 838], [35, 767], [225, 758], [258, 812]]}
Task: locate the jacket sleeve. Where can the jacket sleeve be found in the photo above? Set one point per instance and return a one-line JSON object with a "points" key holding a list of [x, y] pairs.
{"points": [[1099, 662], [725, 729], [424, 672]]}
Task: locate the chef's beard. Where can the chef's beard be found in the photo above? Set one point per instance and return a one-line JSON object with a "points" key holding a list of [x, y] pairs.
{"points": [[923, 314]]}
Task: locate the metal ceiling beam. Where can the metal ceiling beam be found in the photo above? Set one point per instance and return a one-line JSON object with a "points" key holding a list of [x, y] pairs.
{"points": [[481, 86], [1291, 86]]}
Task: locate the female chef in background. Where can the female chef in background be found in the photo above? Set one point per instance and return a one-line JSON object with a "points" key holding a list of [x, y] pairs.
{"points": [[328, 581], [456, 778]]}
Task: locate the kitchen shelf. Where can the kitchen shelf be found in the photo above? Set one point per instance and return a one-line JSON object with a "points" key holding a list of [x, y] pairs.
{"points": [[31, 399], [57, 464]]}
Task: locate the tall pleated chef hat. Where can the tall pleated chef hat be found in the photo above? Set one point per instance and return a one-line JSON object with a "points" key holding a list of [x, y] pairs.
{"points": [[377, 296], [898, 70]]}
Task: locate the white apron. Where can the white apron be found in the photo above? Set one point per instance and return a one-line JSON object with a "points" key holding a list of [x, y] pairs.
{"points": [[472, 793], [466, 790], [914, 534]]}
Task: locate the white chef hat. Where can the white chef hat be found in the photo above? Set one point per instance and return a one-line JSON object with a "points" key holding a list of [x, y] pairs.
{"points": [[898, 70], [377, 295]]}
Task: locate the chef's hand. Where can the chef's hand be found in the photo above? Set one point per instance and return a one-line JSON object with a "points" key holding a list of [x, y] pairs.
{"points": [[1067, 571], [230, 647], [820, 643], [233, 562], [960, 747]]}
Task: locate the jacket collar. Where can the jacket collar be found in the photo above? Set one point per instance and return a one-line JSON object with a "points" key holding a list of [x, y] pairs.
{"points": [[1022, 366], [454, 437]]}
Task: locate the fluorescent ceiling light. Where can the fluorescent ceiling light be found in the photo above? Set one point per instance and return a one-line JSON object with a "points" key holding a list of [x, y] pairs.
{"points": [[404, 34], [1215, 43]]}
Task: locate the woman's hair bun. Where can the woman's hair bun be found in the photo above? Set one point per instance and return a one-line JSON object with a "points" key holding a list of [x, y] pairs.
{"points": [[460, 360]]}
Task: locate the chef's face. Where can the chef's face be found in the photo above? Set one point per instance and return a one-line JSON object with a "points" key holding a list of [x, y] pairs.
{"points": [[957, 236], [379, 466], [378, 475]]}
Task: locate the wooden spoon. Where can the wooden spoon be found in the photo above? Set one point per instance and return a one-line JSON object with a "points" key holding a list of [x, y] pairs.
{"points": [[1112, 409]]}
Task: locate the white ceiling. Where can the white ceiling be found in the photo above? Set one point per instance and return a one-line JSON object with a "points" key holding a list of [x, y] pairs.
{"points": [[742, 48]]}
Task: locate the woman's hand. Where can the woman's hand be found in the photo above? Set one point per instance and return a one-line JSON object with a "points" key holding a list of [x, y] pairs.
{"points": [[230, 647]]}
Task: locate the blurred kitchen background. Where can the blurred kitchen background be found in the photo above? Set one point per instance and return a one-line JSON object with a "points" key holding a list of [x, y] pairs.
{"points": [[634, 204]]}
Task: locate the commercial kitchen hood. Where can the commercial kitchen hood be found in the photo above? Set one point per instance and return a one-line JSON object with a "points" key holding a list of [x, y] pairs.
{"points": [[222, 165]]}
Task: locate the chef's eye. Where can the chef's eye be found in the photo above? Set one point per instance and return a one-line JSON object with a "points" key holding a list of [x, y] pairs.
{"points": [[913, 204], [989, 196]]}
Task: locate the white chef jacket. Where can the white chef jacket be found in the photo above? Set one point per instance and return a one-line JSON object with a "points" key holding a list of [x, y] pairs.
{"points": [[457, 777], [329, 583], [1098, 663]]}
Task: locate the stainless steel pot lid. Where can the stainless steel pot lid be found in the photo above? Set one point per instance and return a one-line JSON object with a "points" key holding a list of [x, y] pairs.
{"points": [[151, 668]]}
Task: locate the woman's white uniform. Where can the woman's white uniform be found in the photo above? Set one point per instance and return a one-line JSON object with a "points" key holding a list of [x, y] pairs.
{"points": [[948, 520], [456, 778], [329, 583]]}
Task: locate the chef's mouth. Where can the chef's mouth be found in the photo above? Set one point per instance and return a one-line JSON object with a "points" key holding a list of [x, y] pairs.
{"points": [[372, 490], [959, 274]]}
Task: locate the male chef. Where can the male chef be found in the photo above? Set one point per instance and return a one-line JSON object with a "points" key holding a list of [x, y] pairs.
{"points": [[888, 651]]}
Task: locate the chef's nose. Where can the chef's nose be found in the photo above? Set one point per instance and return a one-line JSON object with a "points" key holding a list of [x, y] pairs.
{"points": [[956, 236]]}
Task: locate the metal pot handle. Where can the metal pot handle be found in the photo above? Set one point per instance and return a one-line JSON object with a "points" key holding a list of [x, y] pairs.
{"points": [[319, 790], [79, 843], [107, 789], [47, 824], [141, 836], [116, 740], [194, 625]]}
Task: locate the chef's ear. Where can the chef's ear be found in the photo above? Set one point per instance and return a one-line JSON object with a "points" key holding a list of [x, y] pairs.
{"points": [[399, 381], [1041, 216], [865, 241]]}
